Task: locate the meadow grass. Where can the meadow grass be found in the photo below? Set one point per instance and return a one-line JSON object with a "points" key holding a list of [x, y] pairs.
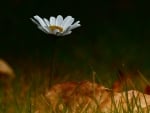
{"points": [[25, 94]]}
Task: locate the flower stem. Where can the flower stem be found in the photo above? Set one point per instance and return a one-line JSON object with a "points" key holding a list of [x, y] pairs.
{"points": [[53, 60]]}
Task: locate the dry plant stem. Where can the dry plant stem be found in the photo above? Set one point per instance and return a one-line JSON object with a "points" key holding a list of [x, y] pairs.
{"points": [[93, 75], [143, 78]]}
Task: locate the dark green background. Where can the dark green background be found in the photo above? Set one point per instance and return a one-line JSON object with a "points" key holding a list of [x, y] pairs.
{"points": [[112, 32]]}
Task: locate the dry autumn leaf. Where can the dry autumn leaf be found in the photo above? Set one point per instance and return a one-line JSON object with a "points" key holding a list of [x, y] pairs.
{"points": [[6, 72], [90, 97], [6, 77]]}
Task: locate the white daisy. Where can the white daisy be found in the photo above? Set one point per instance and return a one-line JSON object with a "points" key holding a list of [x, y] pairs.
{"points": [[56, 26]]}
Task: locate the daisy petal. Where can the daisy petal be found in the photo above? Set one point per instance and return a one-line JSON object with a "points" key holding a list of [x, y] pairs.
{"points": [[67, 33], [40, 23], [46, 21], [59, 34], [75, 25], [41, 28], [55, 32], [68, 23], [40, 20], [37, 23], [59, 20], [65, 20], [52, 20]]}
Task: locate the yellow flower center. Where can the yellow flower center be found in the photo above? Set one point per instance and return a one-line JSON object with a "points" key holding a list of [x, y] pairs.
{"points": [[52, 28]]}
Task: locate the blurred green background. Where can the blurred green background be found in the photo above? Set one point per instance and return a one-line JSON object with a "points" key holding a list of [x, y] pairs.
{"points": [[112, 33]]}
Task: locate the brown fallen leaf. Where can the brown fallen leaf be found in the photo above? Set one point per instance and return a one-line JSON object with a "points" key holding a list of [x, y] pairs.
{"points": [[6, 77], [89, 97], [6, 72]]}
